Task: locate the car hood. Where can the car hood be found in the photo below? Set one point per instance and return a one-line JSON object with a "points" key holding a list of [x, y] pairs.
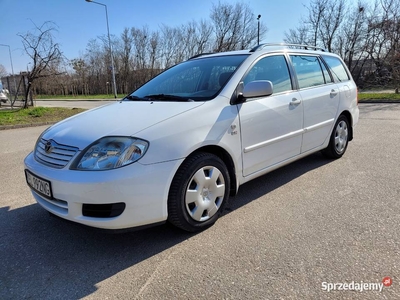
{"points": [[124, 118]]}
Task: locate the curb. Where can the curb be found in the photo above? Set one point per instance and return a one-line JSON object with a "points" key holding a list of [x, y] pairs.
{"points": [[378, 101]]}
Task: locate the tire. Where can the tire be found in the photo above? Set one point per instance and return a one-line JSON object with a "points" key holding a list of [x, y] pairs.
{"points": [[199, 192], [339, 139]]}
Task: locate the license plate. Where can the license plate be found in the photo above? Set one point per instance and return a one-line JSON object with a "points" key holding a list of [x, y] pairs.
{"points": [[39, 185]]}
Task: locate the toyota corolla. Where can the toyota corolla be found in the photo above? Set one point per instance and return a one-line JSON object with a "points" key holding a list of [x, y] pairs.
{"points": [[176, 148]]}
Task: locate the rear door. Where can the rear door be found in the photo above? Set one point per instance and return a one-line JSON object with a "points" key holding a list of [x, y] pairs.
{"points": [[347, 87], [320, 97]]}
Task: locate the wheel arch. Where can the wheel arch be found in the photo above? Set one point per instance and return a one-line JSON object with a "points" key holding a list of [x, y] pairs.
{"points": [[180, 214], [227, 159], [347, 114]]}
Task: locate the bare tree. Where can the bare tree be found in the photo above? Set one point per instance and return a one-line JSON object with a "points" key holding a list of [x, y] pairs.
{"points": [[153, 49], [316, 12], [3, 71], [321, 26], [203, 37], [124, 60], [81, 70], [332, 17], [300, 36], [140, 54], [97, 58], [366, 36], [141, 41], [391, 10], [169, 44], [382, 41], [43, 50], [351, 41], [235, 26]]}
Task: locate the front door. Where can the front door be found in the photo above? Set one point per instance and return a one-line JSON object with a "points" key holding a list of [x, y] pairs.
{"points": [[271, 127]]}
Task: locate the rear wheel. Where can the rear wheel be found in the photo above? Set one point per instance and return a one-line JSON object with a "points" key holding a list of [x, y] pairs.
{"points": [[199, 192], [339, 139]]}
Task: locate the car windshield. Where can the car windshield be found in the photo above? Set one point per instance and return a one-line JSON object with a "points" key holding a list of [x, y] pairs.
{"points": [[193, 80]]}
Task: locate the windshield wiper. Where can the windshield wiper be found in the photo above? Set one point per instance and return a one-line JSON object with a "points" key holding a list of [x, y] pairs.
{"points": [[167, 97], [135, 98]]}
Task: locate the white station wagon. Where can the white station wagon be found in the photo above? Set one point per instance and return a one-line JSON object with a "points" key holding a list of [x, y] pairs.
{"points": [[179, 146]]}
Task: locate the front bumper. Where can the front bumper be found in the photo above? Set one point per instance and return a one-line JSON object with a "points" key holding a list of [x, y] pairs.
{"points": [[143, 188]]}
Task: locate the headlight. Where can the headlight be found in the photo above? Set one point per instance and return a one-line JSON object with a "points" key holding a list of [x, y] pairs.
{"points": [[111, 153]]}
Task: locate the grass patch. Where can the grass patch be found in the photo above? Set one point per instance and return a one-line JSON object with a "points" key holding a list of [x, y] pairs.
{"points": [[36, 115], [378, 96], [78, 97], [38, 112]]}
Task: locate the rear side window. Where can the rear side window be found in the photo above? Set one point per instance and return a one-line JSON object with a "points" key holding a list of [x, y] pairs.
{"points": [[272, 68], [309, 71], [337, 68]]}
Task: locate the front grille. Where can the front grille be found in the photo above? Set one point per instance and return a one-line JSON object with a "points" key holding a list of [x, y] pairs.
{"points": [[56, 156]]}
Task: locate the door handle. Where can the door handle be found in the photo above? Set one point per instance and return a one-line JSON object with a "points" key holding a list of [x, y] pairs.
{"points": [[333, 92], [295, 101]]}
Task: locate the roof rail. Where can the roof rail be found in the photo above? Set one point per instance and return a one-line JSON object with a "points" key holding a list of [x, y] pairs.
{"points": [[200, 54], [298, 46]]}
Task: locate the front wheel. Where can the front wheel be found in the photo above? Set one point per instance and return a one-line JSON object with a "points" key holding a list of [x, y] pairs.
{"points": [[199, 192], [339, 139]]}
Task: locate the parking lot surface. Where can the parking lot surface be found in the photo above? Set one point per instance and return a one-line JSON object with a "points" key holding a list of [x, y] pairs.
{"points": [[73, 103], [283, 236]]}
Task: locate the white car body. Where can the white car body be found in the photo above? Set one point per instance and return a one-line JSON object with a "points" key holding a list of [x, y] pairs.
{"points": [[255, 137]]}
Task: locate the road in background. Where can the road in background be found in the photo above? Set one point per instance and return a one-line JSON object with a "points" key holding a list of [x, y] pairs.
{"points": [[86, 104], [282, 236]]}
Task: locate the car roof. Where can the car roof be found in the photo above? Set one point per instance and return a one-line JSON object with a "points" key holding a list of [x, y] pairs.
{"points": [[270, 48]]}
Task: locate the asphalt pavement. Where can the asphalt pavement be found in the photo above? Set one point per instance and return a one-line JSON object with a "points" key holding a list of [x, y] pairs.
{"points": [[86, 104], [283, 236]]}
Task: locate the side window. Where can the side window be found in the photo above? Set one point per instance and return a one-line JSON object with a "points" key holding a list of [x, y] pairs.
{"points": [[337, 68], [328, 78], [274, 69], [309, 70]]}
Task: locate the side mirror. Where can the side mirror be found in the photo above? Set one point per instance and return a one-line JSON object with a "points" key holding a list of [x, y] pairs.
{"points": [[258, 88]]}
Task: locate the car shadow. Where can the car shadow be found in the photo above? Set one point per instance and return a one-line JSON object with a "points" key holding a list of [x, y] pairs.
{"points": [[267, 183], [46, 257]]}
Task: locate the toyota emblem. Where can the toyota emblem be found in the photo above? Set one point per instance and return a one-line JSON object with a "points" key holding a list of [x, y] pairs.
{"points": [[49, 146]]}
